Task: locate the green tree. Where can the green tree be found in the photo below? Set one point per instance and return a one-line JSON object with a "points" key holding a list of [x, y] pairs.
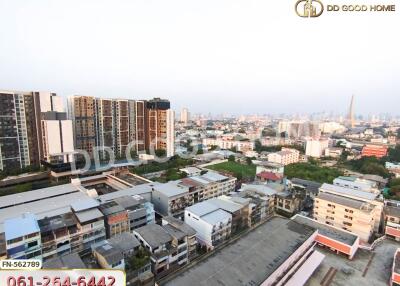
{"points": [[134, 154], [313, 172], [269, 132], [249, 161], [395, 192], [344, 155], [213, 147], [160, 152], [394, 182], [368, 165], [374, 168], [138, 260], [394, 154], [231, 158]]}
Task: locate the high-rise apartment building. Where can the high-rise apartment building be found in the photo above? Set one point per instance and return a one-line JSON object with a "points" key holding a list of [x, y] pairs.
{"points": [[160, 124], [33, 128], [81, 110], [140, 125], [121, 120], [297, 129], [55, 128], [14, 147], [185, 116], [170, 138], [102, 123], [316, 147], [115, 123], [105, 124]]}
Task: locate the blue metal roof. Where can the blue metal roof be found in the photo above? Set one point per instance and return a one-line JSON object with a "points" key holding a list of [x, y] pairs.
{"points": [[20, 226]]}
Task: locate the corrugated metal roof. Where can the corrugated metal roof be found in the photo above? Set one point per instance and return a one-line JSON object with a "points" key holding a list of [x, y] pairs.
{"points": [[216, 216], [20, 226], [85, 205], [348, 192], [35, 195], [171, 189], [42, 208], [214, 177], [263, 189], [226, 205], [202, 208], [88, 215]]}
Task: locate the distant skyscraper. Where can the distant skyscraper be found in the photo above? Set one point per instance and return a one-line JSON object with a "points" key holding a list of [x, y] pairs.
{"points": [[351, 113], [185, 116]]}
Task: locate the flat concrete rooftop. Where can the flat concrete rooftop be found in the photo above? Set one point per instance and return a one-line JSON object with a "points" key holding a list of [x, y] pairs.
{"points": [[328, 231], [251, 259], [366, 268], [131, 179]]}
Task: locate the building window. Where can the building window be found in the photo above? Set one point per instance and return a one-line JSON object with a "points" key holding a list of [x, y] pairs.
{"points": [[31, 235], [32, 244], [15, 240]]}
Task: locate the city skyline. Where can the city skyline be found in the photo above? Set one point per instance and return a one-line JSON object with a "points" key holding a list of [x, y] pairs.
{"points": [[185, 52], [213, 142]]}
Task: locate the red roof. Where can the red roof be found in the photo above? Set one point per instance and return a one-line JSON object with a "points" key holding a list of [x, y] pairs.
{"points": [[269, 176]]}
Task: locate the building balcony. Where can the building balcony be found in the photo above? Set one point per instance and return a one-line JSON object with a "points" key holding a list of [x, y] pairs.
{"points": [[160, 257]]}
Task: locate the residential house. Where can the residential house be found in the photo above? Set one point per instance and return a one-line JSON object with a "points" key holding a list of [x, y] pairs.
{"points": [[212, 224]]}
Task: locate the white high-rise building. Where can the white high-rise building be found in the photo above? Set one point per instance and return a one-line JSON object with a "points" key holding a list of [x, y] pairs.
{"points": [[185, 116], [316, 148], [57, 134], [170, 133]]}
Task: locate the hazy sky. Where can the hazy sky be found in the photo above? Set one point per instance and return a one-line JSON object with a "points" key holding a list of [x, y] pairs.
{"points": [[233, 56]]}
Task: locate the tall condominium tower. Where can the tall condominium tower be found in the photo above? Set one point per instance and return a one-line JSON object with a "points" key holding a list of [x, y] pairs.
{"points": [[14, 145], [81, 109], [140, 125], [115, 123], [105, 124], [185, 116], [160, 122], [121, 123], [33, 128], [56, 129]]}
